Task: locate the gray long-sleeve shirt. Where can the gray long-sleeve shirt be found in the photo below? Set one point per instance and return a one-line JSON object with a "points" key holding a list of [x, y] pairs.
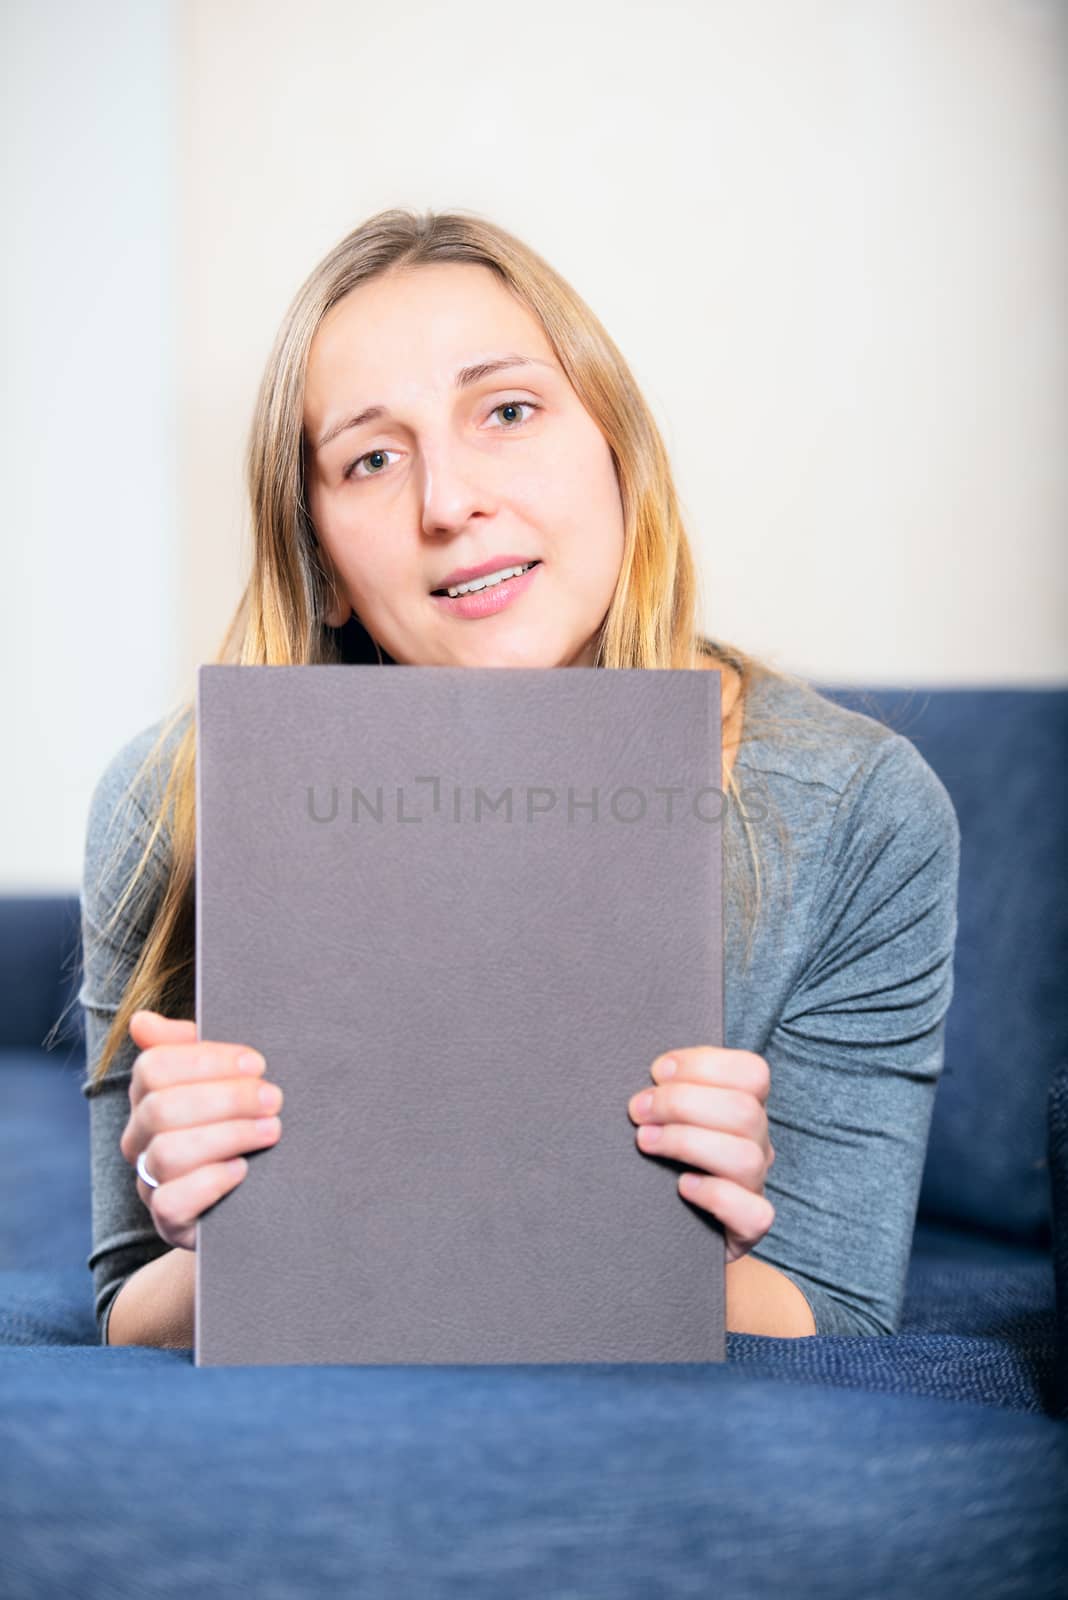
{"points": [[844, 993]]}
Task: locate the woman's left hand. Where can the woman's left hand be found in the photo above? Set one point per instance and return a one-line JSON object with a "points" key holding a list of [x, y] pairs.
{"points": [[710, 1113]]}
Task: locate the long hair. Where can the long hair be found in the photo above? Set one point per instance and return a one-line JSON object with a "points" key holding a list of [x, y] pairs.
{"points": [[652, 621]]}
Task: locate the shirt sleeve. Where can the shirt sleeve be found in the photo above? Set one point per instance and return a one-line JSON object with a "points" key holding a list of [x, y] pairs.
{"points": [[124, 1237], [857, 1051]]}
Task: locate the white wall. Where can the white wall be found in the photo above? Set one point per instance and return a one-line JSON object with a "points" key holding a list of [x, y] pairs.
{"points": [[88, 618], [830, 236]]}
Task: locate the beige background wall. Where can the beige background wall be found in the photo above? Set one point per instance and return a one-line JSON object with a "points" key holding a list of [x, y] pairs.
{"points": [[830, 238]]}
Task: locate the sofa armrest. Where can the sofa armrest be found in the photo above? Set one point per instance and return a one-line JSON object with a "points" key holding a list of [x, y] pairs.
{"points": [[1058, 1178]]}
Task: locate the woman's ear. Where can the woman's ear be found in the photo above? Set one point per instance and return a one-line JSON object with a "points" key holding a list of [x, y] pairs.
{"points": [[338, 610]]}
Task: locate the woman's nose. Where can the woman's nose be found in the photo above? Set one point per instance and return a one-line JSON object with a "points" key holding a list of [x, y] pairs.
{"points": [[454, 491]]}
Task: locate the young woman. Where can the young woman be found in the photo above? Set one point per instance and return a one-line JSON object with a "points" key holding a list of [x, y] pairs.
{"points": [[440, 408]]}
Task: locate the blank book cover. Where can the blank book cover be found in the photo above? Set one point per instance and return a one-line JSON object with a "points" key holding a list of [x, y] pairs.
{"points": [[460, 911]]}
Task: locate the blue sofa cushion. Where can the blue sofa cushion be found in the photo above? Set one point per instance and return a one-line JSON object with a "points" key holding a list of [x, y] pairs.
{"points": [[1004, 1356], [46, 1214], [40, 953], [131, 1472], [1058, 1167], [1002, 755]]}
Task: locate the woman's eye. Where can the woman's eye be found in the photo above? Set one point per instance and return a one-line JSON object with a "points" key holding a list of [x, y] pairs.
{"points": [[377, 455], [513, 405], [372, 455]]}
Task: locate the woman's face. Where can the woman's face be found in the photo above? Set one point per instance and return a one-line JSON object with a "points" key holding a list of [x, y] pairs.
{"points": [[495, 469]]}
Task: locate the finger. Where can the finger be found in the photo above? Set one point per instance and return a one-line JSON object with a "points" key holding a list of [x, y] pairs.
{"points": [[148, 1027], [746, 1216], [162, 1065], [720, 1154], [187, 1105], [172, 1155], [177, 1206], [705, 1063], [704, 1105]]}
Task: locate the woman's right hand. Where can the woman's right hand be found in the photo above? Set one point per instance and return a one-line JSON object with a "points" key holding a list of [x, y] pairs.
{"points": [[193, 1108]]}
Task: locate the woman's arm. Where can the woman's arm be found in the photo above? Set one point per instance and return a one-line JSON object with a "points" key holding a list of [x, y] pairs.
{"points": [[155, 1304], [124, 1237], [857, 1052], [761, 1299]]}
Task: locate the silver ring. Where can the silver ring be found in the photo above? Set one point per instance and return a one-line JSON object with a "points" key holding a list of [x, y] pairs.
{"points": [[143, 1172]]}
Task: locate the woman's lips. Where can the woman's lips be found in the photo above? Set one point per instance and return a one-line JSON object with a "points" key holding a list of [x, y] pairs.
{"points": [[487, 602]]}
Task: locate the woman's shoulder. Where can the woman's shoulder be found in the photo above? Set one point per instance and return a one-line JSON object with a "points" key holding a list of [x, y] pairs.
{"points": [[869, 772], [127, 794]]}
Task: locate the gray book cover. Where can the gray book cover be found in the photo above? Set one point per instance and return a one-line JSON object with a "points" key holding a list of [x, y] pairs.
{"points": [[460, 911]]}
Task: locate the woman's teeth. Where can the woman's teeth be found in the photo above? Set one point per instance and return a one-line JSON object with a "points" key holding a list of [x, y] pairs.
{"points": [[489, 581]]}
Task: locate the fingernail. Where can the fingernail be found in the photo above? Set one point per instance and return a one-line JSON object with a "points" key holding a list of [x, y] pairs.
{"points": [[644, 1104], [665, 1067], [251, 1061]]}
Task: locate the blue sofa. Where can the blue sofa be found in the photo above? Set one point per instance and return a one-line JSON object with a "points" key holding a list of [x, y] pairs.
{"points": [[921, 1463]]}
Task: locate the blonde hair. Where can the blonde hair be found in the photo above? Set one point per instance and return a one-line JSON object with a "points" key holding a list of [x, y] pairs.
{"points": [[652, 621]]}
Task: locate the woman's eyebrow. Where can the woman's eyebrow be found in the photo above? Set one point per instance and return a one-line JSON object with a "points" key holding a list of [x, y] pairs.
{"points": [[464, 378]]}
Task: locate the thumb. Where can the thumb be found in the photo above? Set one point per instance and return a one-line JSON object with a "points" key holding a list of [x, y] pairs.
{"points": [[152, 1027]]}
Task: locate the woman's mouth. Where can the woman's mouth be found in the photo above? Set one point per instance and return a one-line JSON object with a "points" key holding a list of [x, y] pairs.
{"points": [[494, 594]]}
